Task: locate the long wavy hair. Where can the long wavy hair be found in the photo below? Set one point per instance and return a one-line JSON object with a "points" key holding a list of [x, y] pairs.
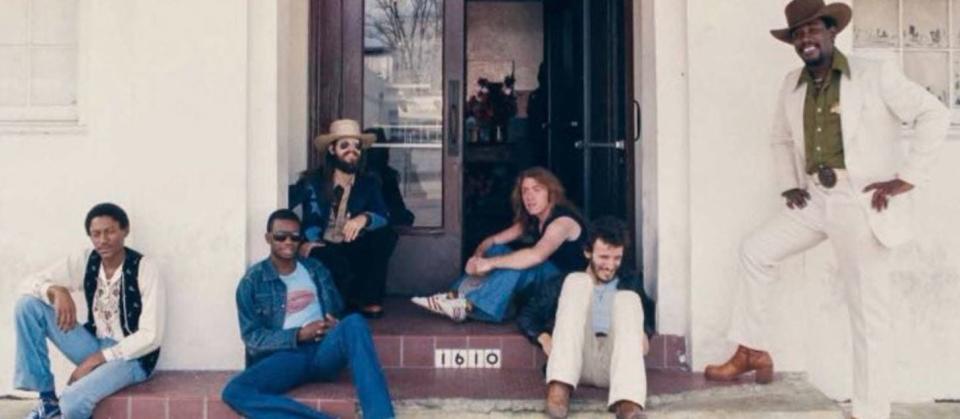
{"points": [[323, 174], [557, 196]]}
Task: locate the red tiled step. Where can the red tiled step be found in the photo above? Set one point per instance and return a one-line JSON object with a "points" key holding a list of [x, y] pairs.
{"points": [[408, 336], [190, 394]]}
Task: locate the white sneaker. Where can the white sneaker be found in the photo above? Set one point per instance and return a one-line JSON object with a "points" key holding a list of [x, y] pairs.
{"points": [[454, 308]]}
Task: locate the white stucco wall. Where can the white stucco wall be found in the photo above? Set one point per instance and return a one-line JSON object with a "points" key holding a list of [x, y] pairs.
{"points": [[716, 74], [181, 105]]}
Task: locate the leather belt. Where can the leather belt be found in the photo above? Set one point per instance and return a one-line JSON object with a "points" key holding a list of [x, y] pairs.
{"points": [[826, 176]]}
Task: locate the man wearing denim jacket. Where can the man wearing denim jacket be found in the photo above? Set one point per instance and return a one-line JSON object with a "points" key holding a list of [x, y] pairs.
{"points": [[343, 217], [288, 308]]}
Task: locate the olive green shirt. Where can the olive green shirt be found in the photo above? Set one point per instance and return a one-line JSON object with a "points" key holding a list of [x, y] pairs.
{"points": [[823, 138]]}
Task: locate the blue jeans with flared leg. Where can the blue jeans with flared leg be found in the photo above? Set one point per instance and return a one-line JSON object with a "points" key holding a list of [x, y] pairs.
{"points": [[36, 322], [493, 295], [258, 391]]}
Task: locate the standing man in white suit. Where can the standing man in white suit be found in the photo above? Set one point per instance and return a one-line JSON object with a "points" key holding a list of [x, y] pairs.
{"points": [[846, 177]]}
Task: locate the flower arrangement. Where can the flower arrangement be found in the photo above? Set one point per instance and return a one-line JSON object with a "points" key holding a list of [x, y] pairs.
{"points": [[489, 111]]}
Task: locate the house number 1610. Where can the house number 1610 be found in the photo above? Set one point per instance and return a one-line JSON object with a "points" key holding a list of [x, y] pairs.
{"points": [[467, 358]]}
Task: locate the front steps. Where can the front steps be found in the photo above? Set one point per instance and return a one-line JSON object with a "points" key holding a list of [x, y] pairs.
{"points": [[407, 340]]}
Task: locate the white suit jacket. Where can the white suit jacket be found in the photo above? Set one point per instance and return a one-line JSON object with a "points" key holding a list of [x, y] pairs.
{"points": [[874, 99]]}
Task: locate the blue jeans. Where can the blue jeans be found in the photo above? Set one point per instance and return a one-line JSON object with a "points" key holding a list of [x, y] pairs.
{"points": [[258, 391], [36, 321], [492, 299]]}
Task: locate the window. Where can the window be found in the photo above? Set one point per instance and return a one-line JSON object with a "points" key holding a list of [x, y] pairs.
{"points": [[38, 61]]}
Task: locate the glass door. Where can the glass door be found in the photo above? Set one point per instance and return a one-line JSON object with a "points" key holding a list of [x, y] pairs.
{"points": [[397, 66]]}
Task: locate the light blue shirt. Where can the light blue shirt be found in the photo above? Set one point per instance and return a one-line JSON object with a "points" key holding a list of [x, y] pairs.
{"points": [[302, 306], [602, 306]]}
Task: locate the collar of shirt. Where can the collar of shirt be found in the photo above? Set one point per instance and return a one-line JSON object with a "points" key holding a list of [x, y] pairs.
{"points": [[117, 273], [840, 65], [605, 286]]}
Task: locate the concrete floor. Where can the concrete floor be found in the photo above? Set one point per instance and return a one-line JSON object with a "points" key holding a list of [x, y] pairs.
{"points": [[18, 408]]}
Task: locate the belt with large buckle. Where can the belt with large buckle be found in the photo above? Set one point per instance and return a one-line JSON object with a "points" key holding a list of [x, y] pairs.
{"points": [[826, 176]]}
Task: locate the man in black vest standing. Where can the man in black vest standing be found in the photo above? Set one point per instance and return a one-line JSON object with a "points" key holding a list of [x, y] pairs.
{"points": [[120, 342]]}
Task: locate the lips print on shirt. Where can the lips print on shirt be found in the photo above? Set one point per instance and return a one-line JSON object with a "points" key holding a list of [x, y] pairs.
{"points": [[298, 300]]}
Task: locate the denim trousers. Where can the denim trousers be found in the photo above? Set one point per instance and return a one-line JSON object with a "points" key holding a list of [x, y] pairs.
{"points": [[492, 295], [36, 321], [259, 391]]}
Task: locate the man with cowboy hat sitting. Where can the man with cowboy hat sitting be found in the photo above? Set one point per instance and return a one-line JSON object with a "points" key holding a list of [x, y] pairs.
{"points": [[342, 208], [844, 176]]}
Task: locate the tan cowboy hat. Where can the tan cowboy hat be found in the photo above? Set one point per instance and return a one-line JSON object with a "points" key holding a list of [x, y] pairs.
{"points": [[800, 12], [343, 128]]}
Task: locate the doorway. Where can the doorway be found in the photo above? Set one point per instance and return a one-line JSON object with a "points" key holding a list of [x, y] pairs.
{"points": [[548, 84], [408, 70]]}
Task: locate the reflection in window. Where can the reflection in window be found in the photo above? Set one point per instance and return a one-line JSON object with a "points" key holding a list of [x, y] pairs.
{"points": [[403, 97], [924, 35]]}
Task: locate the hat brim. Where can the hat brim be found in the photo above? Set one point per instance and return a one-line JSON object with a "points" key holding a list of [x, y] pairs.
{"points": [[839, 12], [321, 142]]}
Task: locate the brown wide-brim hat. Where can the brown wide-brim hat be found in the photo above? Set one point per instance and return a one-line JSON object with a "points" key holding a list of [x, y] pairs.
{"points": [[343, 128], [801, 12]]}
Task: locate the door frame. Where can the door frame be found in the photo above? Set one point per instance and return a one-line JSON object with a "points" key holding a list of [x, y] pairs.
{"points": [[335, 82], [426, 259]]}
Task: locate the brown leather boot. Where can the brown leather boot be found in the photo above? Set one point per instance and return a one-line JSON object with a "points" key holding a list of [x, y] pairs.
{"points": [[743, 361], [558, 399], [626, 409]]}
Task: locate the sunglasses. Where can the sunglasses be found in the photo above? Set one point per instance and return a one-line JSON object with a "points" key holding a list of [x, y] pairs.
{"points": [[345, 144], [282, 237]]}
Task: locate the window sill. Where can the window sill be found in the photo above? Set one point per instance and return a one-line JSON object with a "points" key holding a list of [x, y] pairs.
{"points": [[42, 128]]}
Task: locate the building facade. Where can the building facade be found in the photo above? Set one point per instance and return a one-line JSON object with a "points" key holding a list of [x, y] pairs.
{"points": [[195, 115]]}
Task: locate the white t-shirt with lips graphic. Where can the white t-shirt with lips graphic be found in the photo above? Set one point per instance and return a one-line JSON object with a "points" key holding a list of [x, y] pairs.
{"points": [[302, 305]]}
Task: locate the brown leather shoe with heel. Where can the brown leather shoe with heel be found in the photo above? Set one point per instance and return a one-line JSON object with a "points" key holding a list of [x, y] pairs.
{"points": [[743, 361], [558, 399], [625, 409]]}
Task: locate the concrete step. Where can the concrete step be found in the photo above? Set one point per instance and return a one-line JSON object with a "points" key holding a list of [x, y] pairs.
{"points": [[408, 336], [790, 397], [436, 393]]}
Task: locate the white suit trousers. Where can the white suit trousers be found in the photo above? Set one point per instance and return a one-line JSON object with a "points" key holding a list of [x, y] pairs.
{"points": [[864, 268], [579, 356]]}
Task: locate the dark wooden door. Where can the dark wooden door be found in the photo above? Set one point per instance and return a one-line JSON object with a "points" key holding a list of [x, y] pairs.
{"points": [[398, 68]]}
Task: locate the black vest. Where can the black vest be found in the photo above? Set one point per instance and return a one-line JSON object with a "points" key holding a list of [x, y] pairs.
{"points": [[131, 304]]}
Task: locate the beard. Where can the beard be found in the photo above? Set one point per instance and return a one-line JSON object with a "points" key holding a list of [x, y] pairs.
{"points": [[597, 273], [346, 167]]}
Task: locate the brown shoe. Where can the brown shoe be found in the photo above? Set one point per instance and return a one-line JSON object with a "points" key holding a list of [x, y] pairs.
{"points": [[626, 409], [745, 360], [558, 399]]}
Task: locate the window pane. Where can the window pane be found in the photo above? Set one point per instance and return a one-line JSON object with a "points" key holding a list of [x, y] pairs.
{"points": [[930, 70], [956, 80], [875, 24], [403, 98], [54, 72], [14, 76], [53, 22], [13, 22], [955, 41], [925, 23]]}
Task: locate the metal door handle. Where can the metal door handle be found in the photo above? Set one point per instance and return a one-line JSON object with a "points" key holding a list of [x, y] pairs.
{"points": [[619, 145], [453, 118], [636, 127]]}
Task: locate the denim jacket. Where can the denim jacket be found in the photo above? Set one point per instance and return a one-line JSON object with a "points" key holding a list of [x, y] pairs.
{"points": [[261, 306], [365, 197]]}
